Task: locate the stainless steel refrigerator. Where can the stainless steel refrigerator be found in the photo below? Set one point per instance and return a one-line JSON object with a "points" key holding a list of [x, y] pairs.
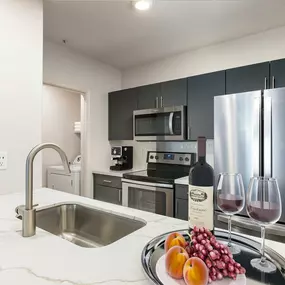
{"points": [[249, 132]]}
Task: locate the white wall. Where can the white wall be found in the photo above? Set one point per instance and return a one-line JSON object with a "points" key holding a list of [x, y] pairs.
{"points": [[261, 47], [21, 30], [61, 108], [69, 69]]}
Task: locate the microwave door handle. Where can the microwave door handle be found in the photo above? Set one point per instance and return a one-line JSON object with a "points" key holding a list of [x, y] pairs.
{"points": [[170, 123]]}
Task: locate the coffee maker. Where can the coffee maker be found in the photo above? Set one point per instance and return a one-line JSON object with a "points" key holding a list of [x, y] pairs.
{"points": [[123, 155]]}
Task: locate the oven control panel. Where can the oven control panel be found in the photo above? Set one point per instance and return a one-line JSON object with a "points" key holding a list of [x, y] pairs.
{"points": [[171, 157]]}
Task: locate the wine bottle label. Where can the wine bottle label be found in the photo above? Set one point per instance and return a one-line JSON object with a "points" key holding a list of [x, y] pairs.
{"points": [[201, 207]]}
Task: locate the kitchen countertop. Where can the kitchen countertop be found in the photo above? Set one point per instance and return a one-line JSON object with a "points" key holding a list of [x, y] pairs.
{"points": [[113, 172], [45, 259], [182, 180]]}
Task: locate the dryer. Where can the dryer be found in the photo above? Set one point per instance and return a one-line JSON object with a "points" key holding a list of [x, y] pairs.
{"points": [[70, 183]]}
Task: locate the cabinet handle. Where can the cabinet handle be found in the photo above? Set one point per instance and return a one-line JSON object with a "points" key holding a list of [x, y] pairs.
{"points": [[176, 207], [107, 181], [188, 133], [273, 81], [156, 102], [161, 101], [120, 191], [265, 83], [71, 182]]}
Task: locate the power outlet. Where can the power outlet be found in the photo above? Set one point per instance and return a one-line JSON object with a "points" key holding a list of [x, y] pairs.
{"points": [[3, 160]]}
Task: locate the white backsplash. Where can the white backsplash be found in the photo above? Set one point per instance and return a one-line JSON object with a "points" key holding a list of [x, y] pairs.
{"points": [[141, 149]]}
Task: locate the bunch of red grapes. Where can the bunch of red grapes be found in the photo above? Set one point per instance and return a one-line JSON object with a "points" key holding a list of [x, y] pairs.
{"points": [[216, 255]]}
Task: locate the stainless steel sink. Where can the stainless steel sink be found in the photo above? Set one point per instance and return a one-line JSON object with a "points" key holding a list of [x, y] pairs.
{"points": [[85, 226]]}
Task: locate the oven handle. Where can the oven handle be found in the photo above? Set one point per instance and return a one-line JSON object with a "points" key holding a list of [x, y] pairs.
{"points": [[148, 185], [170, 123]]}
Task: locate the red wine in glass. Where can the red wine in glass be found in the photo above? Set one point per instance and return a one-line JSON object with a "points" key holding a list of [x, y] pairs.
{"points": [[230, 200], [265, 212], [264, 206], [230, 203]]}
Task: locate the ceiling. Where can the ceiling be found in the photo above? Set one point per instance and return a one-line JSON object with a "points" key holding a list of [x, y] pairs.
{"points": [[113, 32]]}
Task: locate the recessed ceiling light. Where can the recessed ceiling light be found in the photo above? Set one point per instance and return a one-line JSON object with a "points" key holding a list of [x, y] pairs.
{"points": [[142, 5]]}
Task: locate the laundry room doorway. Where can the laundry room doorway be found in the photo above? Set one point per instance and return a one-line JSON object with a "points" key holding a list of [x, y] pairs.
{"points": [[63, 123]]}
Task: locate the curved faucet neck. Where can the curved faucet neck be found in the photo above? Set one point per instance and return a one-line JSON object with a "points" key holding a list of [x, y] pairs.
{"points": [[29, 169]]}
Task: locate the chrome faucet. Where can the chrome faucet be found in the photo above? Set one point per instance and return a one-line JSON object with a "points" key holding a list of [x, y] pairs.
{"points": [[27, 211]]}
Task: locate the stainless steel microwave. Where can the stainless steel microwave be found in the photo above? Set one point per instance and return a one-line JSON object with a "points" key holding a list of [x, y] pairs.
{"points": [[163, 124]]}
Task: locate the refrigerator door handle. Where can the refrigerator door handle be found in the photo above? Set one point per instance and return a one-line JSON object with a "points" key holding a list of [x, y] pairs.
{"points": [[256, 137], [267, 136], [265, 82]]}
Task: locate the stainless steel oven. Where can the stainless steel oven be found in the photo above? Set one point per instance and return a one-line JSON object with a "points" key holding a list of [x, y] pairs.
{"points": [[147, 196], [160, 124]]}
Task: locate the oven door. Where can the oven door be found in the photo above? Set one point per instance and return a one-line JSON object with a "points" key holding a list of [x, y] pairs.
{"points": [[150, 197], [160, 124]]}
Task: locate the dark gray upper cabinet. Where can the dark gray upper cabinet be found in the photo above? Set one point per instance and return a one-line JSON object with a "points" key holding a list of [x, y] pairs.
{"points": [[277, 73], [148, 97], [121, 106], [248, 78], [173, 93], [200, 105]]}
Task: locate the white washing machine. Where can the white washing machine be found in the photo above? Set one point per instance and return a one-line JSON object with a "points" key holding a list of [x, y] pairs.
{"points": [[70, 183]]}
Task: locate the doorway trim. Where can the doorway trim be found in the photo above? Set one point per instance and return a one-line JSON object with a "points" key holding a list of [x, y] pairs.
{"points": [[83, 135]]}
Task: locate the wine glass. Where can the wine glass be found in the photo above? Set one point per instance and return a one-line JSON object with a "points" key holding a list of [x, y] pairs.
{"points": [[231, 200], [264, 207]]}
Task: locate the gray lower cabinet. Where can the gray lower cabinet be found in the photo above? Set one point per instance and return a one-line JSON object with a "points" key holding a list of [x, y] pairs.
{"points": [[181, 209], [108, 194], [181, 202], [107, 188]]}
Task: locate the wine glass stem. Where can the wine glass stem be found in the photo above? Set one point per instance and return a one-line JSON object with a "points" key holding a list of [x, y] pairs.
{"points": [[263, 259], [230, 231]]}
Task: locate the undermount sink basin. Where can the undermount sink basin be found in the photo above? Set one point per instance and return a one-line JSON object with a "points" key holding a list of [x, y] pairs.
{"points": [[85, 226]]}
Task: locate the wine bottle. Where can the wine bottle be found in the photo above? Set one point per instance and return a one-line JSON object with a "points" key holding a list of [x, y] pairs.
{"points": [[201, 192]]}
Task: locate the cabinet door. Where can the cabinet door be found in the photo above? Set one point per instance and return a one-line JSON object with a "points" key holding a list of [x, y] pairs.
{"points": [[247, 78], [200, 106], [149, 96], [173, 93], [277, 73], [121, 106], [108, 194], [181, 209]]}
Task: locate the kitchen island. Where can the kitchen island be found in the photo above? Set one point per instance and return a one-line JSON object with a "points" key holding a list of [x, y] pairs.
{"points": [[46, 259]]}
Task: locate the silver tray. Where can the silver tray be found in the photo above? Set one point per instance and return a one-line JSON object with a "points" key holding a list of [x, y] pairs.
{"points": [[249, 250]]}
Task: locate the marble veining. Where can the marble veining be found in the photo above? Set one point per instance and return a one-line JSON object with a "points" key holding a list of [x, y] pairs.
{"points": [[45, 259]]}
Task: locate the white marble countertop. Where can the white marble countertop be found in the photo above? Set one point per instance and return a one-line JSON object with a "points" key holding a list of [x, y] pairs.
{"points": [[182, 180], [45, 259], [113, 172]]}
